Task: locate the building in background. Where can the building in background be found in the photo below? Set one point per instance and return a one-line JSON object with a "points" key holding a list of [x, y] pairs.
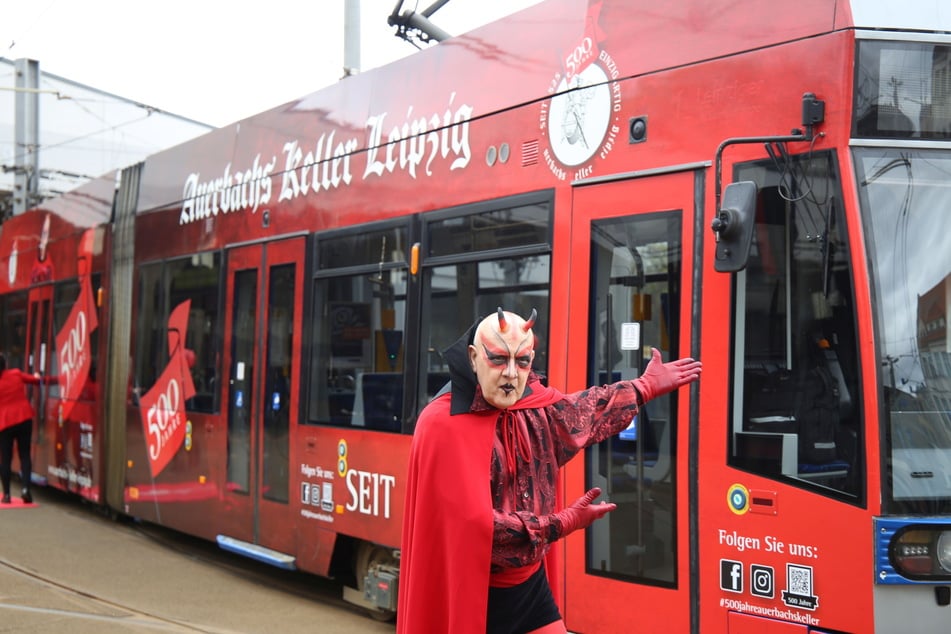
{"points": [[934, 346], [81, 134]]}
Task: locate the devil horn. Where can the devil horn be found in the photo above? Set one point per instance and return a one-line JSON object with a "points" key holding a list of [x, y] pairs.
{"points": [[503, 326], [531, 321]]}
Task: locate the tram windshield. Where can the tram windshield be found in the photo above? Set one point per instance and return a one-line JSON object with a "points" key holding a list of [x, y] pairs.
{"points": [[902, 90], [905, 196]]}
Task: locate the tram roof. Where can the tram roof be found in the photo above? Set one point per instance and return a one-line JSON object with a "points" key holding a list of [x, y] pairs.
{"points": [[513, 61]]}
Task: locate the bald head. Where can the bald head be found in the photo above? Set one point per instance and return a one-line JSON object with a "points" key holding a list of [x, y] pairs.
{"points": [[501, 355]]}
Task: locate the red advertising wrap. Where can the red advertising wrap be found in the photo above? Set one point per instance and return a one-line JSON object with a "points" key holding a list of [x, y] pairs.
{"points": [[72, 340], [163, 406]]}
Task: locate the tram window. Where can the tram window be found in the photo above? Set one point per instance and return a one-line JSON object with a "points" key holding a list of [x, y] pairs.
{"points": [[901, 90], [280, 355], [515, 225], [795, 411], [902, 194], [457, 295], [636, 264], [367, 247], [148, 343], [357, 365], [13, 333], [472, 276], [162, 287], [64, 297]]}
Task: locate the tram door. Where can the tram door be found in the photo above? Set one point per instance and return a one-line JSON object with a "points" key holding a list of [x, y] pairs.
{"points": [[38, 349], [262, 357], [631, 286]]}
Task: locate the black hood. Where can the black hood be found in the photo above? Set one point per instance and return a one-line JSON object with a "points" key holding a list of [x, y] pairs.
{"points": [[461, 377]]}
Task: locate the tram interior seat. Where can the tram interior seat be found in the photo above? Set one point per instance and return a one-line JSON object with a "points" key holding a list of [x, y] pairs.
{"points": [[378, 403], [778, 408], [435, 381], [777, 453], [655, 436], [624, 450]]}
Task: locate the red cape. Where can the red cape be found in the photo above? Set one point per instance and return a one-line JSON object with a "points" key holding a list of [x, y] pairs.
{"points": [[446, 544]]}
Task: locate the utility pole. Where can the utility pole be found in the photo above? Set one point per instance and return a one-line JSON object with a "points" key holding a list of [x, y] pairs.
{"points": [[351, 38], [26, 146]]}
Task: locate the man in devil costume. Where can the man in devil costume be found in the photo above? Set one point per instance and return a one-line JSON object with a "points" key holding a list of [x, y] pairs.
{"points": [[480, 501]]}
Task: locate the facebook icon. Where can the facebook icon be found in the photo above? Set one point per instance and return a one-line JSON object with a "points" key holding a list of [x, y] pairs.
{"points": [[731, 575]]}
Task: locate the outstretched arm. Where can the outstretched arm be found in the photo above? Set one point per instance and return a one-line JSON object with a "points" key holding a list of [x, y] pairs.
{"points": [[48, 379], [32, 379], [584, 418]]}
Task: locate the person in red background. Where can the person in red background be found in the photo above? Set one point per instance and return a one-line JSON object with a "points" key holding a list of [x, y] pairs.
{"points": [[16, 425], [480, 515]]}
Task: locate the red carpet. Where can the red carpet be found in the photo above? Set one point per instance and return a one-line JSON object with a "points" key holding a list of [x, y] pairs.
{"points": [[17, 503]]}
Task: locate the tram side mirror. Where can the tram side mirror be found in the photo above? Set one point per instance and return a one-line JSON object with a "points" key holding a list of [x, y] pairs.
{"points": [[733, 227]]}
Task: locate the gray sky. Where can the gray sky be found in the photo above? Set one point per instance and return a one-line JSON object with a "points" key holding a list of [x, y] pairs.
{"points": [[214, 61]]}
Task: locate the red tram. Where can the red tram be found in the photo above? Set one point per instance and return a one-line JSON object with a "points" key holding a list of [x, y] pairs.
{"points": [[246, 326]]}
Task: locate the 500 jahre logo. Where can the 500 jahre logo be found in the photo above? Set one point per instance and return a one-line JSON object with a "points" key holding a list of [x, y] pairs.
{"points": [[581, 120]]}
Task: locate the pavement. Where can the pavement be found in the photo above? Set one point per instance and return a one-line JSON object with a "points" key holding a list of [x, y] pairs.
{"points": [[65, 566]]}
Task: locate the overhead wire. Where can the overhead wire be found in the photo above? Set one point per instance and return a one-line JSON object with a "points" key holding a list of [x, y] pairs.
{"points": [[51, 87]]}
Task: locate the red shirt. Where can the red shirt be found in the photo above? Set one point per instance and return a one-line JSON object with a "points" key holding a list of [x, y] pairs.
{"points": [[14, 407]]}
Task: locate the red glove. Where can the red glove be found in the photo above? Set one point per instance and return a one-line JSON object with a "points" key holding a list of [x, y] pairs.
{"points": [[581, 514], [660, 378]]}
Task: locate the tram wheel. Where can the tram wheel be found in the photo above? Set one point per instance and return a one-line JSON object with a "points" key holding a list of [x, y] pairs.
{"points": [[369, 557]]}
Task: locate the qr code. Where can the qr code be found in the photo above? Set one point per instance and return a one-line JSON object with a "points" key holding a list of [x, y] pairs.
{"points": [[799, 580]]}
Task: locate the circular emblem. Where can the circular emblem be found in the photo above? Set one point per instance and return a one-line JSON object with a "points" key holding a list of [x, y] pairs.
{"points": [[579, 116], [738, 498], [581, 120]]}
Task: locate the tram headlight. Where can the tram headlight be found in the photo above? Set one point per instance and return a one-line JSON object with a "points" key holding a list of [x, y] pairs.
{"points": [[922, 553], [943, 553]]}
